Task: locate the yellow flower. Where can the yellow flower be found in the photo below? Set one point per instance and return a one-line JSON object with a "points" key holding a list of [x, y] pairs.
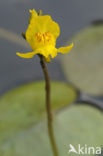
{"points": [[41, 34]]}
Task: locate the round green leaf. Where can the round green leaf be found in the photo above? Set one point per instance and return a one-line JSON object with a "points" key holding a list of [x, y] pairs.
{"points": [[83, 66], [24, 106], [75, 125]]}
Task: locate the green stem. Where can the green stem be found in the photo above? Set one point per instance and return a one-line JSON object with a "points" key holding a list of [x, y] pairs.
{"points": [[48, 106]]}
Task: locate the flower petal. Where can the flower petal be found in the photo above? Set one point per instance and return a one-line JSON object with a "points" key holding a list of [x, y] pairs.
{"points": [[47, 59], [53, 52], [37, 24], [33, 14], [53, 27], [47, 51], [26, 55], [41, 24], [64, 50]]}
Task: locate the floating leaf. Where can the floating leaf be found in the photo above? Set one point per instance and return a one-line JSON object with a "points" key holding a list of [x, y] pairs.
{"points": [[23, 107], [75, 125], [83, 66]]}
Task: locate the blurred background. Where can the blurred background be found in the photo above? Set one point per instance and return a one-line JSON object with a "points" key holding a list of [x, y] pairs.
{"points": [[23, 130], [71, 15]]}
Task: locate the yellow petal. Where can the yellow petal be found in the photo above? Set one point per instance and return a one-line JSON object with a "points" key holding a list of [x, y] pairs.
{"points": [[53, 27], [37, 24], [47, 51], [41, 24], [65, 49], [53, 52], [33, 12], [43, 52], [47, 59], [26, 55]]}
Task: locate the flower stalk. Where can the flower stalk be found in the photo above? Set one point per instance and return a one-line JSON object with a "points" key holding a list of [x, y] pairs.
{"points": [[41, 34], [48, 106]]}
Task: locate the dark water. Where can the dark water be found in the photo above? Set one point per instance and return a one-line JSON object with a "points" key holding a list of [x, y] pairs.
{"points": [[72, 15]]}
